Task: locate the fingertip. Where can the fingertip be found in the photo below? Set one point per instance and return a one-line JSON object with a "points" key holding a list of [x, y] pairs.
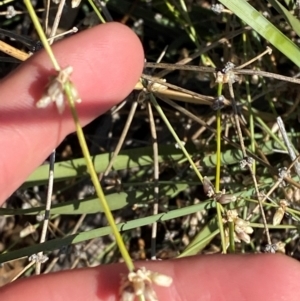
{"points": [[107, 62], [116, 59], [238, 277]]}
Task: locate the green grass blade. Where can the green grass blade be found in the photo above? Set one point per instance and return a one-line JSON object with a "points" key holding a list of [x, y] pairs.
{"points": [[91, 205], [80, 237], [126, 159], [202, 239], [133, 158], [265, 28], [292, 20]]}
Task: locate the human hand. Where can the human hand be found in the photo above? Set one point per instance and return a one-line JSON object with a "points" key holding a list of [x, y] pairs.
{"points": [[108, 61]]}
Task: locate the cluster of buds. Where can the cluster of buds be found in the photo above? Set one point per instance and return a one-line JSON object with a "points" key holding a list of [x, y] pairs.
{"points": [[221, 197], [242, 228], [139, 284]]}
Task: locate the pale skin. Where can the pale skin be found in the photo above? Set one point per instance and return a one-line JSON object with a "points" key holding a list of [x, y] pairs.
{"points": [[107, 62]]}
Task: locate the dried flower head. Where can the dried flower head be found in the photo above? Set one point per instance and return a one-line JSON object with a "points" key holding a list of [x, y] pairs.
{"points": [[243, 236], [140, 283], [156, 86], [242, 228], [55, 90], [231, 215], [224, 198], [279, 214]]}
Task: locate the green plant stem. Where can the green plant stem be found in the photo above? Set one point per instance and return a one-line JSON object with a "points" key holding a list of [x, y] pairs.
{"points": [[218, 140], [218, 150], [96, 183], [218, 173], [41, 34], [68, 90], [96, 10], [190, 28]]}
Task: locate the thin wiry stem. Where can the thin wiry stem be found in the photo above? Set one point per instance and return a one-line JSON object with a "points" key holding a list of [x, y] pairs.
{"points": [[166, 121], [42, 35], [207, 99], [104, 10], [122, 137], [155, 178], [71, 92], [288, 144], [236, 118], [241, 139], [28, 266], [95, 181], [56, 20], [267, 51], [47, 209], [214, 70], [218, 173], [46, 21], [97, 11], [200, 121], [203, 50]]}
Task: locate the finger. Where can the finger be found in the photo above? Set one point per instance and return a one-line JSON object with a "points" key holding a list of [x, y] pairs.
{"points": [[107, 62], [214, 277]]}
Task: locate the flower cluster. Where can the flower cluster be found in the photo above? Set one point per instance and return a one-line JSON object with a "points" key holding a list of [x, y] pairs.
{"points": [[139, 283], [242, 228], [55, 90]]}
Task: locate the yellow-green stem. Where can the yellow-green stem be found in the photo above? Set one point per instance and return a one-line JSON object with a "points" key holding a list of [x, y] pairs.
{"points": [[41, 34], [96, 10], [218, 174], [82, 142], [96, 183]]}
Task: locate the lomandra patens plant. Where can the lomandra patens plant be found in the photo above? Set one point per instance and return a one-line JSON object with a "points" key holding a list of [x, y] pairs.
{"points": [[138, 282]]}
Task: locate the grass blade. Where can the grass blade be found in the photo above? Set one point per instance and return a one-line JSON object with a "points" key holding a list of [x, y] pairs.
{"points": [[265, 28]]}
